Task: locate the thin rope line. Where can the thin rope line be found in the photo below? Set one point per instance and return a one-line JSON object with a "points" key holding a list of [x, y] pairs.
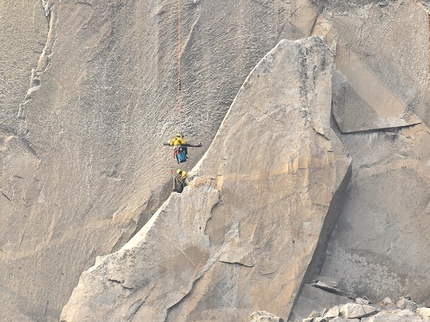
{"points": [[179, 64]]}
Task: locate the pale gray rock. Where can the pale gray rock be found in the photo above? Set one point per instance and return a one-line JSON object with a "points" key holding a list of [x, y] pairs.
{"points": [[384, 313], [332, 313], [315, 299], [357, 311], [262, 316], [405, 303], [394, 316], [379, 246], [319, 319], [153, 271], [340, 319], [88, 94], [274, 157], [386, 303], [423, 311], [23, 34], [381, 82], [388, 199], [331, 289], [360, 300]]}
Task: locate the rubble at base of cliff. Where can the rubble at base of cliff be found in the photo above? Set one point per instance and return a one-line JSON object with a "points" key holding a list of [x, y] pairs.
{"points": [[361, 310]]}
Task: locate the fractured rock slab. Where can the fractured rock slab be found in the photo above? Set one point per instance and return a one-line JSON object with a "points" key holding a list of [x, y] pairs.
{"points": [[379, 246], [382, 62], [280, 174], [388, 200], [155, 269], [357, 311]]}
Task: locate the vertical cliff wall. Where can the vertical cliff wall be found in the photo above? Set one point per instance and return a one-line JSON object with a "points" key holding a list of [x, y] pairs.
{"points": [[380, 96], [243, 236], [88, 95]]}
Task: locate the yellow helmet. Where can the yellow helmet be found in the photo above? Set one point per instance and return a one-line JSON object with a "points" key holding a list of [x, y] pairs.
{"points": [[179, 171], [178, 135]]}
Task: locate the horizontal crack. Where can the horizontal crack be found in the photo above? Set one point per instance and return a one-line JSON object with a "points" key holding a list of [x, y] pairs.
{"points": [[241, 264], [120, 283], [384, 129]]}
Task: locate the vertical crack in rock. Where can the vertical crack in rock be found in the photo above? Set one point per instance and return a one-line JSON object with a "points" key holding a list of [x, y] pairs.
{"points": [[45, 57], [42, 65], [36, 73]]}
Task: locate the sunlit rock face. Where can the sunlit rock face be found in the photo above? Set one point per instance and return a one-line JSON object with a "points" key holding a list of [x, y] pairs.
{"points": [[248, 230], [382, 67], [88, 94], [380, 104]]}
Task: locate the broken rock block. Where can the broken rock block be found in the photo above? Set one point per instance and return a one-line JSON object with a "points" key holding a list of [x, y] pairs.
{"points": [[394, 316], [262, 316], [357, 311], [340, 319], [405, 303], [423, 311]]}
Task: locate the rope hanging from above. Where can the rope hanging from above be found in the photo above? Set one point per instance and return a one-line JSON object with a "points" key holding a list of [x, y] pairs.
{"points": [[179, 64]]}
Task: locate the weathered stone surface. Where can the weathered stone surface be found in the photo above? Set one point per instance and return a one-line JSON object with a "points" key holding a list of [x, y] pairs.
{"points": [[404, 303], [315, 299], [331, 289], [387, 313], [379, 246], [23, 35], [274, 157], [387, 303], [388, 199], [357, 311], [153, 271], [394, 316], [382, 61], [332, 313], [423, 311], [360, 300], [262, 316], [82, 162], [339, 319]]}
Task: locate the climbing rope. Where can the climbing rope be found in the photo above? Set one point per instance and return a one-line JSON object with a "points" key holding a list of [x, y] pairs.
{"points": [[179, 64]]}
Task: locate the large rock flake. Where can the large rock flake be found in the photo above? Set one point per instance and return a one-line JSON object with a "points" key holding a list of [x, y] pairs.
{"points": [[280, 174]]}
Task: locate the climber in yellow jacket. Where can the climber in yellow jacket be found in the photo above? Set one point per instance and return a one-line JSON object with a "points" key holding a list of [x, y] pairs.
{"points": [[177, 140]]}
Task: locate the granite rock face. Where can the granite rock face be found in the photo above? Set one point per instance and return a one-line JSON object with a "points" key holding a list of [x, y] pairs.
{"points": [[380, 105], [88, 94], [382, 65], [245, 234]]}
